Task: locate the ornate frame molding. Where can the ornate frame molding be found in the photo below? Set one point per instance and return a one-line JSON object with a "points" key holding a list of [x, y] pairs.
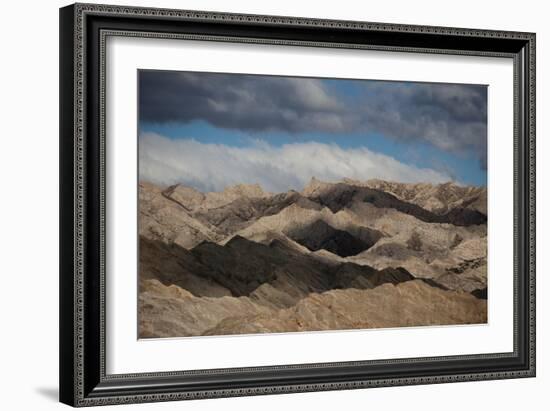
{"points": [[82, 336]]}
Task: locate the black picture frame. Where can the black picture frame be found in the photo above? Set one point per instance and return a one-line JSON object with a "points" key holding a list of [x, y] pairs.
{"points": [[83, 29]]}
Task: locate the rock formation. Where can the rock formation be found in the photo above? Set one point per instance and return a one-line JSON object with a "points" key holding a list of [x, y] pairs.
{"points": [[339, 255]]}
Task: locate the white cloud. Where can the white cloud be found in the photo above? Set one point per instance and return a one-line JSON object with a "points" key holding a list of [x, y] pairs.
{"points": [[212, 167]]}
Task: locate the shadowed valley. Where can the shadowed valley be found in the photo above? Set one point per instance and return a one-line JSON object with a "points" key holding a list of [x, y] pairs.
{"points": [[334, 256]]}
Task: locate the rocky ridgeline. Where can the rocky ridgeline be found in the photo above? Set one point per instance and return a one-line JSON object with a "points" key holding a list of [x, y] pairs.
{"points": [[244, 260]]}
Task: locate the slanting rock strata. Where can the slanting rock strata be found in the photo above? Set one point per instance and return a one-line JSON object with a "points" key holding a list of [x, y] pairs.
{"points": [[170, 311], [334, 256]]}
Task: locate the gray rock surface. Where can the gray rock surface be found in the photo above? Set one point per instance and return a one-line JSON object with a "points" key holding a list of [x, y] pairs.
{"points": [[334, 256]]}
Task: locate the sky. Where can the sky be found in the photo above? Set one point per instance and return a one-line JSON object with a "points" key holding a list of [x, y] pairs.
{"points": [[214, 130]]}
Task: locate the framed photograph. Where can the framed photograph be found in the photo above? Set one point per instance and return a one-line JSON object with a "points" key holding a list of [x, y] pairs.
{"points": [[261, 204]]}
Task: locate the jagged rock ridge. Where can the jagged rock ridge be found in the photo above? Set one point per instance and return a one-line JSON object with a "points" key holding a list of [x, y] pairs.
{"points": [[249, 259]]}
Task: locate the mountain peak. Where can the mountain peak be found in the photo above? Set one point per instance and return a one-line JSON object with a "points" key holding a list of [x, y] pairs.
{"points": [[246, 190], [314, 186], [185, 196]]}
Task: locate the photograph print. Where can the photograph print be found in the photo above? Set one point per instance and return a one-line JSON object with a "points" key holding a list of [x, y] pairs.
{"points": [[272, 204]]}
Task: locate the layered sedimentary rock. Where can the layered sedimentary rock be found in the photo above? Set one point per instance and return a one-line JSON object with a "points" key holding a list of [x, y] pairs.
{"points": [[339, 255], [169, 311]]}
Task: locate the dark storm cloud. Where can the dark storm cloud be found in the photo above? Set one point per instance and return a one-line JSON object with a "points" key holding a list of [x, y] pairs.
{"points": [[252, 103], [450, 117]]}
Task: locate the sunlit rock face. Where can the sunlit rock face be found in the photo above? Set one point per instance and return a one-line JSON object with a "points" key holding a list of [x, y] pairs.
{"points": [[345, 255]]}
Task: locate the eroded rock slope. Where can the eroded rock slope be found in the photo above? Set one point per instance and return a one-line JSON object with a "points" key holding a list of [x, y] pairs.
{"points": [[339, 255]]}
